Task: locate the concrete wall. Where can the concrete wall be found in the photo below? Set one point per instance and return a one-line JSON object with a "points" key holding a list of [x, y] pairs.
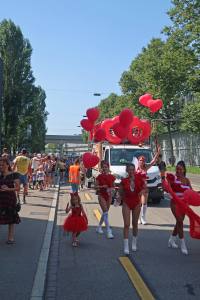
{"points": [[186, 147]]}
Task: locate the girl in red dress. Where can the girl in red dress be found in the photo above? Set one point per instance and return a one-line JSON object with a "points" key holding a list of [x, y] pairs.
{"points": [[179, 184], [130, 191], [77, 221], [142, 169], [104, 186]]}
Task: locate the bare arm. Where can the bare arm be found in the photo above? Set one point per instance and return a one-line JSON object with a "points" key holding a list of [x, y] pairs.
{"points": [[154, 160]]}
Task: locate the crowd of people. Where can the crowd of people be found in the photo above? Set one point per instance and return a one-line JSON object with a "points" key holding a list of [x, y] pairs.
{"points": [[40, 171], [29, 171]]}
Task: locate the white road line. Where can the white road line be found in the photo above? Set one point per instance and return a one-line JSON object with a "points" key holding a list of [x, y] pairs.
{"points": [[41, 272]]}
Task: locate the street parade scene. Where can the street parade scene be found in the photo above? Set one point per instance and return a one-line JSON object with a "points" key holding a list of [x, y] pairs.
{"points": [[100, 198]]}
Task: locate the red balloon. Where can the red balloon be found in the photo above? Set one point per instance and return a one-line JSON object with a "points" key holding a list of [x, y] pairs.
{"points": [[134, 139], [90, 160], [120, 131], [86, 124], [126, 117], [108, 124], [155, 105], [146, 129], [92, 114], [143, 100], [135, 122], [100, 135]]}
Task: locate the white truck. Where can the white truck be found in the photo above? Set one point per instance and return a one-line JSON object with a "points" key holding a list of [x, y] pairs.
{"points": [[119, 155]]}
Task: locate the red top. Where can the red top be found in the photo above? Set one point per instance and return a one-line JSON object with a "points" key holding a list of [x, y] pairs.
{"points": [[131, 198], [105, 179]]}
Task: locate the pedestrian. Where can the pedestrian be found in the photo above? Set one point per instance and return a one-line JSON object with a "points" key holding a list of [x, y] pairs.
{"points": [[9, 185], [74, 175], [142, 169], [130, 191], [40, 177], [179, 183], [104, 186], [22, 165], [76, 222]]}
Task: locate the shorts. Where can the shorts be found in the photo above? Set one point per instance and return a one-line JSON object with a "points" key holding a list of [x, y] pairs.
{"points": [[23, 179]]}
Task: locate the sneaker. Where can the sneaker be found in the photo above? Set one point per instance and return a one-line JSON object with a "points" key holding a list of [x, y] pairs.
{"points": [[110, 235], [172, 243], [99, 230]]}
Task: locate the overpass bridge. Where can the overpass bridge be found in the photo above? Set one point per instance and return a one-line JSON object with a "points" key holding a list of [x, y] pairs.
{"points": [[65, 144]]}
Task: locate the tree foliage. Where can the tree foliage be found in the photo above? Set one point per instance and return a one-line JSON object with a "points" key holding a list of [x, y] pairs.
{"points": [[23, 103], [191, 117]]}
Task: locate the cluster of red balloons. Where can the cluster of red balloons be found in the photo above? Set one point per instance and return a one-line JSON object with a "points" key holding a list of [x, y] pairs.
{"points": [[92, 116], [148, 101], [121, 128]]}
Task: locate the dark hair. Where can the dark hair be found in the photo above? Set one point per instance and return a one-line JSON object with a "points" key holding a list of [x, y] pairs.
{"points": [[74, 195], [104, 162], [7, 162], [129, 165], [181, 163], [77, 161], [24, 151]]}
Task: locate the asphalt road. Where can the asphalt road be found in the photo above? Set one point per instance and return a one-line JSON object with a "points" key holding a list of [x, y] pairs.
{"points": [[93, 270]]}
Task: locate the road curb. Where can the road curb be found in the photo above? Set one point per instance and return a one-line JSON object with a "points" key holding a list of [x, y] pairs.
{"points": [[38, 288]]}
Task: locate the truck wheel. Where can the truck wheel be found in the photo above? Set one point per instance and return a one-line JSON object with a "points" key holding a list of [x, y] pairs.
{"points": [[156, 200]]}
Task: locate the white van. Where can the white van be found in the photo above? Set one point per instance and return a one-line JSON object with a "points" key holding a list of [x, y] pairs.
{"points": [[119, 155]]}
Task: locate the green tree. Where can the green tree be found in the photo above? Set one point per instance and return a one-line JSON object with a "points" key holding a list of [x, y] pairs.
{"points": [[19, 92], [191, 117], [162, 69], [185, 31]]}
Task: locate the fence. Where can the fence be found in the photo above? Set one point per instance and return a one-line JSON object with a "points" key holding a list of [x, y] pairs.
{"points": [[186, 147]]}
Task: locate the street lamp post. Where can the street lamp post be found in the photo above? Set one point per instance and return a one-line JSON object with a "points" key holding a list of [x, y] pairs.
{"points": [[1, 95]]}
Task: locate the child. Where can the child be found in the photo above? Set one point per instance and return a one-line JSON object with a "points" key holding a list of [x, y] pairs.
{"points": [[41, 177], [77, 220], [34, 179]]}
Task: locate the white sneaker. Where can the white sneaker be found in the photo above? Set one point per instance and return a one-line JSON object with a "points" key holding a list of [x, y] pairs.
{"points": [[183, 247], [143, 221], [109, 234], [172, 243], [134, 243], [99, 230]]}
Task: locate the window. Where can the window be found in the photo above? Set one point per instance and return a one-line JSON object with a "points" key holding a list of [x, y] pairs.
{"points": [[124, 156]]}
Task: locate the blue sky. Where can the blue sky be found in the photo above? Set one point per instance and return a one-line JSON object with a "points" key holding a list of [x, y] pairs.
{"points": [[81, 47]]}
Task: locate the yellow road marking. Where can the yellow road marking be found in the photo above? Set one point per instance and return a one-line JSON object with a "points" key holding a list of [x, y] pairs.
{"points": [[140, 286], [87, 196], [98, 215]]}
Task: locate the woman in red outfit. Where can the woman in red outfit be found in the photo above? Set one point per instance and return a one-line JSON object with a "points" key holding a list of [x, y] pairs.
{"points": [[130, 191], [142, 169], [76, 222], [179, 184], [104, 186]]}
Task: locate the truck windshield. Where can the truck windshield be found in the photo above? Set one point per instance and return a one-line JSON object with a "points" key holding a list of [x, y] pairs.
{"points": [[123, 156]]}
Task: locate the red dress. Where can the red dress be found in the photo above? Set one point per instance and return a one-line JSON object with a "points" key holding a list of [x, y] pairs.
{"points": [[105, 179], [75, 222], [132, 198]]}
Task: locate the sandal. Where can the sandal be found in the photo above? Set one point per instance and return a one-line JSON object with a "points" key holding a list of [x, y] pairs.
{"points": [[10, 242]]}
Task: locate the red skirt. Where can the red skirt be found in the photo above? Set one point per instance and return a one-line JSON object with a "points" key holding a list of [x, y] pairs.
{"points": [[74, 223]]}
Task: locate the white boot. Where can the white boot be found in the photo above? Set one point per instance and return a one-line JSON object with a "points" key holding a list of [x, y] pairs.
{"points": [[109, 234], [126, 247], [172, 242], [183, 247], [134, 243], [143, 214]]}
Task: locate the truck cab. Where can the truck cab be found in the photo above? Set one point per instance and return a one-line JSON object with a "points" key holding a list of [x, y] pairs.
{"points": [[119, 155]]}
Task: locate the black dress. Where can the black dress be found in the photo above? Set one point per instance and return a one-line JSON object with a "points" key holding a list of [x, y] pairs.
{"points": [[8, 201]]}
